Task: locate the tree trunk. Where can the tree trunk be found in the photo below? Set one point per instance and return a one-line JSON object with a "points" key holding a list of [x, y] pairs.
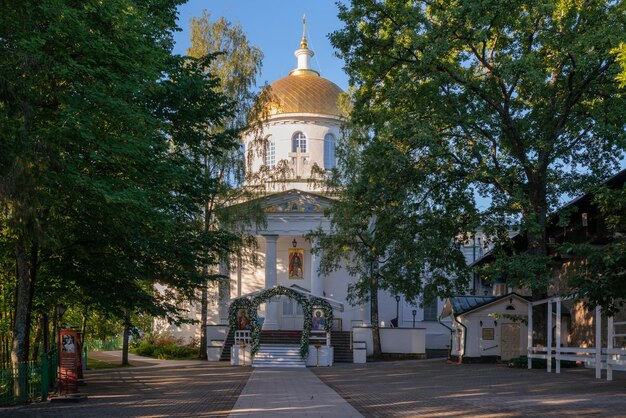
{"points": [[21, 326], [205, 291], [34, 355], [125, 338], [538, 246], [374, 316], [204, 316]]}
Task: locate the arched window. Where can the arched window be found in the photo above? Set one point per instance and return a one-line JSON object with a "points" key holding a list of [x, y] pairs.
{"points": [[329, 152], [298, 140], [270, 152]]}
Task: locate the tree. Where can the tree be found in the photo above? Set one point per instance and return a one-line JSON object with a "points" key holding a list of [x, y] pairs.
{"points": [[99, 195], [517, 98], [599, 270], [236, 63], [399, 236]]}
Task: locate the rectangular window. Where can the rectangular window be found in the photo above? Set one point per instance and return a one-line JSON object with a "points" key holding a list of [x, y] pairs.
{"points": [[488, 334], [287, 307]]}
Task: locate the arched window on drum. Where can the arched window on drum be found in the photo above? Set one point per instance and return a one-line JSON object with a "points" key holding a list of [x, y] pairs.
{"points": [[270, 152], [298, 140], [329, 152]]}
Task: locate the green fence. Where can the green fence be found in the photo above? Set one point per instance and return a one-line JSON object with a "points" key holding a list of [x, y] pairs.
{"points": [[28, 381], [104, 345]]}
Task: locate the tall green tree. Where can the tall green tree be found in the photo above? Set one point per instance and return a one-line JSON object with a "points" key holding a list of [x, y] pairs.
{"points": [[396, 225], [516, 97], [236, 63], [99, 194]]}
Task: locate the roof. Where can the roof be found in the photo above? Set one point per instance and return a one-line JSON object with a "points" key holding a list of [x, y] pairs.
{"points": [[462, 304], [304, 93]]}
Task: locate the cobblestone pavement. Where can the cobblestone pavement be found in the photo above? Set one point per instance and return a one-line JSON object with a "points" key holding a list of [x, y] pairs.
{"points": [[436, 389], [163, 389]]}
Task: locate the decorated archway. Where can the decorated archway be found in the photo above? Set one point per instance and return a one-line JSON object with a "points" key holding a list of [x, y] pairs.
{"points": [[308, 302]]}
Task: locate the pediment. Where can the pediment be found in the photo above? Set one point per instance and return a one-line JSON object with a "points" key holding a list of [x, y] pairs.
{"points": [[295, 201]]}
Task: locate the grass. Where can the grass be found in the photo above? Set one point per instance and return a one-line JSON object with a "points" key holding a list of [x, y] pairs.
{"points": [[93, 364]]}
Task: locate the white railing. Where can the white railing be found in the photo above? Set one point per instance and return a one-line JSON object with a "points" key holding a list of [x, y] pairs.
{"points": [[608, 358]]}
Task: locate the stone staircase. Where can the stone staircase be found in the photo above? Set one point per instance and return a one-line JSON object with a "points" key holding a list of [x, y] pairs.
{"points": [[276, 355], [230, 340], [340, 340]]}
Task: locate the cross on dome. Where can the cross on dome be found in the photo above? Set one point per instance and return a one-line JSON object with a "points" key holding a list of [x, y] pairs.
{"points": [[304, 55]]}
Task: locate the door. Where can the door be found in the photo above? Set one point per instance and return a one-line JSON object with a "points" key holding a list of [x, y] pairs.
{"points": [[292, 315], [510, 341]]}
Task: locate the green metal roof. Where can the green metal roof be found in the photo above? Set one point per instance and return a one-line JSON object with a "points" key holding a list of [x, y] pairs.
{"points": [[462, 304]]}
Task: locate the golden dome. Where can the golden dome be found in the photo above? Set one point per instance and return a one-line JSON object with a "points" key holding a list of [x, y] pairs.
{"points": [[304, 93]]}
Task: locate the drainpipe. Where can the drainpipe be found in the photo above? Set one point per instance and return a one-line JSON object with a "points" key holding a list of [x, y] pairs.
{"points": [[464, 338], [451, 332]]}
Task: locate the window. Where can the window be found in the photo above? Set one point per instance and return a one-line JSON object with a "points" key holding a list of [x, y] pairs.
{"points": [[289, 308], [329, 151], [298, 140], [430, 311], [270, 152]]}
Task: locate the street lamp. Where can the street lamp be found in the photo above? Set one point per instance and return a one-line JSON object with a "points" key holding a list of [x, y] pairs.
{"points": [[397, 310]]}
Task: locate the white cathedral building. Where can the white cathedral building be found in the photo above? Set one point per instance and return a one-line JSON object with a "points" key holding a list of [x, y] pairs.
{"points": [[302, 130]]}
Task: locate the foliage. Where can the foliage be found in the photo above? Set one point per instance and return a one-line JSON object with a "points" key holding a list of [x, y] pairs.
{"points": [[521, 362], [516, 99], [98, 190], [598, 271], [251, 306], [236, 63], [165, 347]]}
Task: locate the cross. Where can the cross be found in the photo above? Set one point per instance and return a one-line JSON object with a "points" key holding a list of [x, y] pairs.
{"points": [[298, 159]]}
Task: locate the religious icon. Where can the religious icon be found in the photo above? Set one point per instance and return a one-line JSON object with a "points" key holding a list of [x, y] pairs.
{"points": [[296, 263], [243, 322], [318, 320], [67, 344]]}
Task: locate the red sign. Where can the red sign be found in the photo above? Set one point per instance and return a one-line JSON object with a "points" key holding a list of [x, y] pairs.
{"points": [[68, 360]]}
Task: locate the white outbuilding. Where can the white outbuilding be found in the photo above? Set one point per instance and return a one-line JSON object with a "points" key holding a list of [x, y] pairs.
{"points": [[487, 328]]}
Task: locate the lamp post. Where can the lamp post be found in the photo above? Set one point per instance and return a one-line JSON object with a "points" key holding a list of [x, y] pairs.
{"points": [[414, 312], [397, 311]]}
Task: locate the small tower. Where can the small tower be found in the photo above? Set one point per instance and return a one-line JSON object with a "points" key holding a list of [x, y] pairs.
{"points": [[304, 55]]}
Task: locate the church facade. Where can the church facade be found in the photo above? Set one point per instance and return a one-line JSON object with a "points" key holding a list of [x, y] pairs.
{"points": [[301, 132]]}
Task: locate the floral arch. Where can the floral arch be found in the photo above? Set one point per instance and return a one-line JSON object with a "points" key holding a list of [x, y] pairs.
{"points": [[308, 302]]}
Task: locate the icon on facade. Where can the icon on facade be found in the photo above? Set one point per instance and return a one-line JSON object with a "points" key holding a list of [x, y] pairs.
{"points": [[296, 263]]}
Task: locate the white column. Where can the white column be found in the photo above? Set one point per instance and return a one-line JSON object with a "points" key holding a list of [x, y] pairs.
{"points": [[609, 348], [598, 342], [529, 345], [558, 336], [271, 308], [549, 345], [317, 280], [224, 291]]}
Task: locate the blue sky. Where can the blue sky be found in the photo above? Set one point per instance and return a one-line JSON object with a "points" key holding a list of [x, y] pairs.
{"points": [[275, 26]]}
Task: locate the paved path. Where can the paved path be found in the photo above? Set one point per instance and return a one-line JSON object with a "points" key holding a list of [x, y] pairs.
{"points": [[436, 389], [287, 392], [161, 388]]}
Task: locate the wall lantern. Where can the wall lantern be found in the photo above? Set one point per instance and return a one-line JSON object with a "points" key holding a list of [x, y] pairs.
{"points": [[481, 323], [294, 243]]}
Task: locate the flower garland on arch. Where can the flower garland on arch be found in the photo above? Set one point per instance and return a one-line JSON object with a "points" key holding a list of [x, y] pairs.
{"points": [[308, 303]]}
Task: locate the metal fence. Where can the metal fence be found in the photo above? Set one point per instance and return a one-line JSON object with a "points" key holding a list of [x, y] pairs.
{"points": [[28, 381], [103, 345]]}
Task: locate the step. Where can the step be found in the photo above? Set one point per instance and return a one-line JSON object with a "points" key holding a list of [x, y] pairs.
{"points": [[274, 355]]}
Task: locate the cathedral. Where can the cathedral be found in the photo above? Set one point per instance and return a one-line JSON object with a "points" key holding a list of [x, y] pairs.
{"points": [[301, 132]]}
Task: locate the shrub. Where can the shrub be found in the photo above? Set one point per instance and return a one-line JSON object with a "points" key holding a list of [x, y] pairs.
{"points": [[165, 347], [521, 362]]}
